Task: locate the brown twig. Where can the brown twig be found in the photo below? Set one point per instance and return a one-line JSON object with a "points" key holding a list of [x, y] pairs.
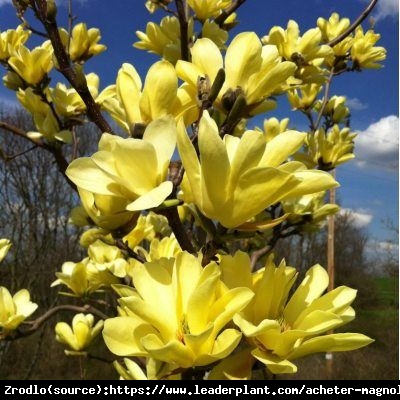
{"points": [[55, 150], [178, 228], [38, 322], [183, 24], [227, 12], [354, 25]]}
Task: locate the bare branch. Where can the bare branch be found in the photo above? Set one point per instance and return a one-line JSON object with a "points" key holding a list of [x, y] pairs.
{"points": [[55, 149], [183, 23]]}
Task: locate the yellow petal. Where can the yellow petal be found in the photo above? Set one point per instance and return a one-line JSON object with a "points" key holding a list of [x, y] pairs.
{"points": [[162, 134], [281, 147], [235, 367], [152, 198], [242, 59], [313, 285], [122, 335], [274, 363], [159, 91], [331, 343], [171, 352], [214, 164]]}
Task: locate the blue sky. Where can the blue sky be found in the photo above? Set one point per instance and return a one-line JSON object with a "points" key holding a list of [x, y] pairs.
{"points": [[369, 186]]}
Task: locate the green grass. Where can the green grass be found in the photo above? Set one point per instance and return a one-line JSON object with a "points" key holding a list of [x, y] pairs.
{"points": [[388, 290]]}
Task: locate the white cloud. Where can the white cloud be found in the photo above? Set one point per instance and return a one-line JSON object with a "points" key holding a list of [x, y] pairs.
{"points": [[361, 217], [379, 144], [386, 8], [355, 104]]}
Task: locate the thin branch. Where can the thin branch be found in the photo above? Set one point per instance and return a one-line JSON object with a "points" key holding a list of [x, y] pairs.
{"points": [[227, 12], [55, 150], [354, 25], [178, 228], [325, 99], [183, 24], [35, 325], [68, 70]]}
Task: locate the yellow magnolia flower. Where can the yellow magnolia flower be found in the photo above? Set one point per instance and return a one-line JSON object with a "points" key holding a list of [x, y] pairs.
{"points": [[281, 329], [129, 106], [131, 169], [106, 257], [163, 39], [5, 245], [303, 98], [273, 127], [177, 314], [308, 211], [105, 211], [235, 179], [167, 247], [32, 65], [208, 8], [15, 309], [45, 121], [364, 53], [83, 43], [12, 81], [302, 50], [83, 278], [328, 150], [10, 40], [335, 109], [67, 101], [81, 335], [331, 29], [253, 70]]}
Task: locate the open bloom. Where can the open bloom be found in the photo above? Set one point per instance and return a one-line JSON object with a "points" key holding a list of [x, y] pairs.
{"points": [[14, 309], [129, 105], [80, 336], [83, 278], [328, 149], [177, 314], [208, 8], [130, 169], [281, 329], [32, 65], [235, 179], [10, 40], [364, 53], [253, 70]]}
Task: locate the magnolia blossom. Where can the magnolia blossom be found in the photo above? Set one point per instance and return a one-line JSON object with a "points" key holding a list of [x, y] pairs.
{"points": [[281, 328], [177, 314], [237, 178], [80, 335]]}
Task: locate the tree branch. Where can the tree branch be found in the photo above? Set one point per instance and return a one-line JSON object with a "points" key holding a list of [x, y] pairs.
{"points": [[37, 323], [354, 25], [67, 70], [178, 228], [183, 24], [59, 158]]}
